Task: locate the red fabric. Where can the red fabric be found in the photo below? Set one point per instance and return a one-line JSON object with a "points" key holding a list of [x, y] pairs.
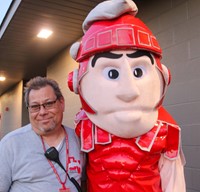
{"points": [[126, 165]]}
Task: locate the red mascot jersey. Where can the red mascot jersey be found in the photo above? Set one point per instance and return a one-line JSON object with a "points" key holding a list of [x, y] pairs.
{"points": [[117, 164]]}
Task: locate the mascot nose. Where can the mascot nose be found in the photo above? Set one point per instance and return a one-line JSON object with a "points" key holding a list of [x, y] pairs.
{"points": [[128, 89]]}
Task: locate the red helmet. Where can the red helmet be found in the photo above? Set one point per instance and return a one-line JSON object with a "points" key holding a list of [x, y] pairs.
{"points": [[124, 32]]}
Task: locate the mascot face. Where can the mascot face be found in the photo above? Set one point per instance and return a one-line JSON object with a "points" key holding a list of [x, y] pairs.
{"points": [[124, 88]]}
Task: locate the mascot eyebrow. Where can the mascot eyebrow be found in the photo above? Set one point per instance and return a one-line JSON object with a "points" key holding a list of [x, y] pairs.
{"points": [[141, 53], [110, 55]]}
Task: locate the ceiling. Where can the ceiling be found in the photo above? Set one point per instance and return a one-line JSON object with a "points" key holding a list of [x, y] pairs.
{"points": [[22, 54]]}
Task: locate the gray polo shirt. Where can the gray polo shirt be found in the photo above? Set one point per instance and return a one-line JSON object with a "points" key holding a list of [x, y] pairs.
{"points": [[24, 168]]}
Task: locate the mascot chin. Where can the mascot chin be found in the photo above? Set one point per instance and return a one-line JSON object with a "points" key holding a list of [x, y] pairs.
{"points": [[132, 142]]}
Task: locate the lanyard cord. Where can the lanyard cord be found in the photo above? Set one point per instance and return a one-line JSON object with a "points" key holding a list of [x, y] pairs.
{"points": [[53, 167]]}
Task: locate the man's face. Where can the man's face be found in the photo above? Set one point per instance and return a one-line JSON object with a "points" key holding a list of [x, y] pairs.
{"points": [[124, 88], [45, 121]]}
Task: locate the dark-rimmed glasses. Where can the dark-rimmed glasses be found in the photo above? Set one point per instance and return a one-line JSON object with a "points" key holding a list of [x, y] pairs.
{"points": [[36, 108]]}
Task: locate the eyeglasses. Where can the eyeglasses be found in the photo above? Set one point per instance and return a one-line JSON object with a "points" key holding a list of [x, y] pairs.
{"points": [[47, 106]]}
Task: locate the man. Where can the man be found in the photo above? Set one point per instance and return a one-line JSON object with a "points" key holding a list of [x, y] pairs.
{"points": [[133, 144], [23, 165]]}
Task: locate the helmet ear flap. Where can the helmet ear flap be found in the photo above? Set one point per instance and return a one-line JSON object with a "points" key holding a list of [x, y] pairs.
{"points": [[73, 81], [166, 74], [167, 78]]}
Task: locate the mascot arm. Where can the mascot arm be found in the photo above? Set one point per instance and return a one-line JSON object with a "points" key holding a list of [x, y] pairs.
{"points": [[172, 174]]}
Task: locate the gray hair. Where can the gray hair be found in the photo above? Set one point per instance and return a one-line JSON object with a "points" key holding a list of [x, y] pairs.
{"points": [[40, 82]]}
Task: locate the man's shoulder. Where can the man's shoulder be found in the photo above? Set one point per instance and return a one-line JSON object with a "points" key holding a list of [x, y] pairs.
{"points": [[71, 133], [17, 133], [69, 129]]}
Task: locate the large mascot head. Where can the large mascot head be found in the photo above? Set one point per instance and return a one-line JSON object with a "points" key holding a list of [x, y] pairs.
{"points": [[121, 81]]}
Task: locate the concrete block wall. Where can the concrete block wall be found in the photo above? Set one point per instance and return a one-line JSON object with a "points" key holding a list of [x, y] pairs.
{"points": [[176, 25]]}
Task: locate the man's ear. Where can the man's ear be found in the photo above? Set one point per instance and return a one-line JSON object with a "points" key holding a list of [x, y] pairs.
{"points": [[62, 101]]}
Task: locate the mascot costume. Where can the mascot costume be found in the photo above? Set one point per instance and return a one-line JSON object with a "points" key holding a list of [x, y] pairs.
{"points": [[132, 142]]}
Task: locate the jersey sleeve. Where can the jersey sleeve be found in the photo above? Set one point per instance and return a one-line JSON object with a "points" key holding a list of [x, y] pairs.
{"points": [[172, 174]]}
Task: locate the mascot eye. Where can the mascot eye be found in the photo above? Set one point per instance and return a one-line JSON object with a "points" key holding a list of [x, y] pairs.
{"points": [[111, 73], [138, 72]]}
